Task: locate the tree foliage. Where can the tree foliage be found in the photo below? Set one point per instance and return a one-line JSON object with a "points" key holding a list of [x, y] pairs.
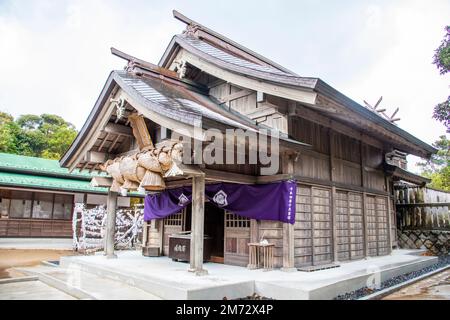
{"points": [[441, 113], [441, 56], [47, 135], [437, 168], [442, 61]]}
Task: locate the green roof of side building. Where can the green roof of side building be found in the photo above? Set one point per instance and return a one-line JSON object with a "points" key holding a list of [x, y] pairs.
{"points": [[38, 173]]}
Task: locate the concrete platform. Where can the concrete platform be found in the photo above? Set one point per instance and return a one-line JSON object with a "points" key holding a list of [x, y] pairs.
{"points": [[37, 243], [167, 279], [31, 290], [83, 285]]}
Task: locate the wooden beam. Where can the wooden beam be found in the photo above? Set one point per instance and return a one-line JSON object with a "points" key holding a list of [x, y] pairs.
{"points": [[236, 95], [120, 129], [140, 131], [97, 157], [224, 176], [104, 182], [103, 142], [274, 178], [144, 64], [113, 144]]}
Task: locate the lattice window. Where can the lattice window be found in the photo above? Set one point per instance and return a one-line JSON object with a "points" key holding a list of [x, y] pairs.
{"points": [[234, 221], [176, 219]]}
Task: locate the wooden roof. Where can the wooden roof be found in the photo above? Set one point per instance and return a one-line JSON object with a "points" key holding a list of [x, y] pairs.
{"points": [[228, 55], [167, 101], [179, 103]]}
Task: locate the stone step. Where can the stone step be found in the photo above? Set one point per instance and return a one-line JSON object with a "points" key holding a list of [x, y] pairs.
{"points": [[84, 285]]}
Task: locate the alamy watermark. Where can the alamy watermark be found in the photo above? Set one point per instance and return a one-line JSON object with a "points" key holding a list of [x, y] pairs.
{"points": [[234, 146]]}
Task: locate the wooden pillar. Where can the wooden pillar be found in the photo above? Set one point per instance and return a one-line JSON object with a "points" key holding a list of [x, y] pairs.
{"points": [[160, 227], [254, 231], [288, 248], [366, 226], [110, 225], [288, 229], [144, 233], [334, 221], [197, 225], [332, 165], [362, 151], [389, 222]]}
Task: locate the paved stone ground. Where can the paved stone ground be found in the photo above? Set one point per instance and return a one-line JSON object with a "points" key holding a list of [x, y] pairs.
{"points": [[93, 285], [436, 287], [37, 243], [31, 290], [10, 258]]}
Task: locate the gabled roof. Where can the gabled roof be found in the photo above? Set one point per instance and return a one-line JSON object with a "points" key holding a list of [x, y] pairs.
{"points": [[400, 174], [224, 59], [231, 56], [153, 92], [226, 41], [176, 102]]}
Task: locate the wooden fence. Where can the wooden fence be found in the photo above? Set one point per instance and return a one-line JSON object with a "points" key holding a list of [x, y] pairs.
{"points": [[422, 208]]}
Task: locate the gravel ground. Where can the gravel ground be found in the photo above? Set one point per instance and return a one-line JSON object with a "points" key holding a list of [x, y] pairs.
{"points": [[443, 261]]}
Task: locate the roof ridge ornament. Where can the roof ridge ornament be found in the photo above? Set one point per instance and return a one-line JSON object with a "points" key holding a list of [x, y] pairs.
{"points": [[191, 30], [382, 111]]}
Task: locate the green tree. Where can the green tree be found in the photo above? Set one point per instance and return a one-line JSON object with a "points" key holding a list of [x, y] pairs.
{"points": [[8, 133], [441, 59], [437, 168], [47, 135], [441, 56]]}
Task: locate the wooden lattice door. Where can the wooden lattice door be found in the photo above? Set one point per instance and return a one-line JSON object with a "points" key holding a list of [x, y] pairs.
{"points": [[172, 224], [237, 237], [313, 226]]}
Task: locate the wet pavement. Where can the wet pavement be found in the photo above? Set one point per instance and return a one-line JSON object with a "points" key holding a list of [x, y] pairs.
{"points": [[436, 287]]}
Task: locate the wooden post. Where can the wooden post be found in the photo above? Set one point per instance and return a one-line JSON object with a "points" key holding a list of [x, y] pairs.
{"points": [[160, 227], [144, 234], [334, 221], [332, 164], [197, 227], [110, 225], [288, 229], [288, 248], [366, 226], [254, 234], [389, 222]]}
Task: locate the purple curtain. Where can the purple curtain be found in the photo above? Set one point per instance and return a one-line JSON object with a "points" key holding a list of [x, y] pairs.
{"points": [[272, 201]]}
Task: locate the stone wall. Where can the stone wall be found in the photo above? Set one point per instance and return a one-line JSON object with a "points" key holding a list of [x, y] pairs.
{"points": [[436, 241]]}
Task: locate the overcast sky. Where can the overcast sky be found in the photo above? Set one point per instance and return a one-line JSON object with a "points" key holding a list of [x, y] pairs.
{"points": [[55, 58]]}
